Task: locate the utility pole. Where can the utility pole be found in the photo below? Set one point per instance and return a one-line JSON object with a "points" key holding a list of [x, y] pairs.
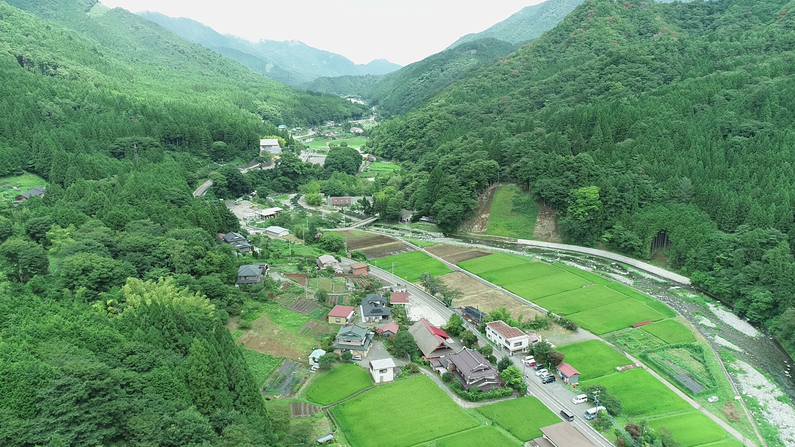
{"points": [[393, 267]]}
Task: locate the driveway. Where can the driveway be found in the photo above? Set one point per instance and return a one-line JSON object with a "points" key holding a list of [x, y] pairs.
{"points": [[378, 351]]}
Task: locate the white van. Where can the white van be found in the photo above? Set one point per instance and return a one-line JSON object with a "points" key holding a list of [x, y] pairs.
{"points": [[590, 413], [578, 399]]}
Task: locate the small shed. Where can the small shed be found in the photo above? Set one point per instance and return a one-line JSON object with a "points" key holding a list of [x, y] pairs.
{"points": [[276, 232], [389, 330], [382, 370], [341, 201], [568, 374], [359, 268], [325, 439]]}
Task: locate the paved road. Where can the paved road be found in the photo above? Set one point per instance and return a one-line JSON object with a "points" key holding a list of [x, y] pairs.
{"points": [[202, 189]]}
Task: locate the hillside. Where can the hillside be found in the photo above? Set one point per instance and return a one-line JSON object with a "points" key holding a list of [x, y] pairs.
{"points": [[527, 24], [636, 121], [291, 62], [412, 85]]}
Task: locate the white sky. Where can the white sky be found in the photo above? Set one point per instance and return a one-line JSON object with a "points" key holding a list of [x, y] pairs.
{"points": [[401, 31]]}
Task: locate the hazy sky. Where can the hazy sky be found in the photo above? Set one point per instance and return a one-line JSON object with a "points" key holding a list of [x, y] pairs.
{"points": [[402, 31]]}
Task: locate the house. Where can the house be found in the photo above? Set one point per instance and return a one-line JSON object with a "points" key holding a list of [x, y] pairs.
{"points": [[282, 127], [314, 357], [473, 315], [405, 216], [568, 374], [389, 330], [268, 213], [270, 145], [36, 191], [330, 123], [371, 157], [534, 338], [237, 241], [357, 130], [373, 309], [251, 274], [276, 232], [341, 315], [327, 133], [325, 261], [562, 434], [340, 201], [432, 341], [382, 370], [506, 337], [353, 338], [358, 268], [472, 370], [399, 298]]}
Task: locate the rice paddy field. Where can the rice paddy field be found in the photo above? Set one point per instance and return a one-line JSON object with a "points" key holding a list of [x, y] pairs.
{"points": [[338, 384], [478, 437], [641, 394], [691, 429], [597, 304], [410, 266], [670, 331], [522, 417], [593, 358], [401, 424]]}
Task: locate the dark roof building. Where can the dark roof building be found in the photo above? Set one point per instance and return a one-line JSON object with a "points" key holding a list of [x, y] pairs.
{"points": [[473, 315], [340, 201], [373, 308], [250, 274], [472, 370], [36, 191], [432, 341], [238, 241], [353, 338]]}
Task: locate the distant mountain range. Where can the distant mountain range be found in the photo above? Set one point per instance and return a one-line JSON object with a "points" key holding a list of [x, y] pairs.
{"points": [[291, 62]]}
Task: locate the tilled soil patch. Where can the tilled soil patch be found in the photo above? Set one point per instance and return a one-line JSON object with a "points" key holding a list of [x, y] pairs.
{"points": [[303, 409], [303, 307], [454, 254]]}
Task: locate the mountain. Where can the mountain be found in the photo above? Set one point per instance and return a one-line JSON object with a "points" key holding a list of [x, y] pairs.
{"points": [[409, 87], [291, 62], [527, 24], [637, 122]]}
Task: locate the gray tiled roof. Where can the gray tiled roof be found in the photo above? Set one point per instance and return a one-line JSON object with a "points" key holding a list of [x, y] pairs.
{"points": [[375, 306]]}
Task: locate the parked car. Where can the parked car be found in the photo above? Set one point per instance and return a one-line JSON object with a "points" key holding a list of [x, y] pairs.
{"points": [[529, 361], [712, 399], [580, 398], [356, 358], [548, 379], [590, 413], [542, 372], [539, 366]]}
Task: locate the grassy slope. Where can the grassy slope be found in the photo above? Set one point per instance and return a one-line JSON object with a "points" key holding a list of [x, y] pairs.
{"points": [[512, 214]]}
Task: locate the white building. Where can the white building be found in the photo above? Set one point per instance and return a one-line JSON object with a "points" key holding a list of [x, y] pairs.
{"points": [[506, 337], [270, 145], [275, 231], [382, 370], [314, 357]]}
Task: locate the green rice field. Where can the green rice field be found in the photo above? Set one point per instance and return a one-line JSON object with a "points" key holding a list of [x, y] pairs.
{"points": [[691, 429], [522, 417], [401, 414], [338, 384], [641, 393], [614, 316], [670, 331], [479, 437], [410, 266], [593, 358], [513, 213]]}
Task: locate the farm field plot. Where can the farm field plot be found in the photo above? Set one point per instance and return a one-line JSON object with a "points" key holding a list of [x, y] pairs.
{"points": [[285, 318], [479, 437], [643, 298], [495, 261], [373, 245], [615, 316], [267, 337], [578, 300], [691, 428], [513, 213], [410, 266], [670, 331], [476, 294], [454, 254], [522, 417], [519, 273], [584, 274], [634, 340], [378, 167], [593, 358], [418, 412], [641, 393], [338, 384], [261, 365], [546, 286]]}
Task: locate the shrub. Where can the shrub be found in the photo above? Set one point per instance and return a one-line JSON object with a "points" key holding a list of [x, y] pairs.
{"points": [[447, 377], [244, 325]]}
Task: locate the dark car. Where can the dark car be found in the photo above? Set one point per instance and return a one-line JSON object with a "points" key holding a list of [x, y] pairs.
{"points": [[548, 379], [538, 366]]}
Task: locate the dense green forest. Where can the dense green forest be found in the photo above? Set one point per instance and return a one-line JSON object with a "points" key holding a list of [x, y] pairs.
{"points": [[123, 119], [632, 118], [412, 85]]}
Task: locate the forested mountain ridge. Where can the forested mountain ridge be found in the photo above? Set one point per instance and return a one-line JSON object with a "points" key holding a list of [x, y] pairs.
{"points": [[291, 62], [630, 119], [526, 24], [412, 85]]}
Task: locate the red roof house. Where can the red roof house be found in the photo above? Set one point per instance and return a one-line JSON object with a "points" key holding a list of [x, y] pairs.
{"points": [[341, 315], [391, 328], [431, 340], [399, 298], [507, 337], [568, 373]]}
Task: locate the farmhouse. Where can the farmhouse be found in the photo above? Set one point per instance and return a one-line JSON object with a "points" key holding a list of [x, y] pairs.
{"points": [[341, 315], [399, 298], [472, 370], [282, 127], [268, 213], [36, 191], [373, 309], [326, 261], [250, 274], [473, 315], [389, 330], [353, 338], [238, 241], [357, 130], [341, 201], [358, 268], [405, 216], [568, 374], [382, 370], [432, 341], [276, 232], [270, 145], [506, 337], [562, 434]]}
